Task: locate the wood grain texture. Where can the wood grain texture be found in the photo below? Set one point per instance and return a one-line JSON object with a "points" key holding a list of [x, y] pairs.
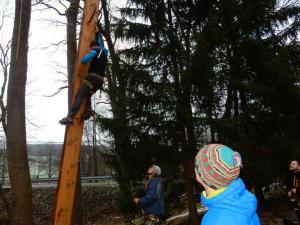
{"points": [[66, 187]]}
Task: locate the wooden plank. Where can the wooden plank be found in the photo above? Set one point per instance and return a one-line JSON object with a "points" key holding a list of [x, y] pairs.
{"points": [[66, 187]]}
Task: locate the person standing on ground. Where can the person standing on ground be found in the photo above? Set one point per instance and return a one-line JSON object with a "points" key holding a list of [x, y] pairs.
{"points": [[152, 202], [293, 189], [217, 169], [293, 183], [97, 57]]}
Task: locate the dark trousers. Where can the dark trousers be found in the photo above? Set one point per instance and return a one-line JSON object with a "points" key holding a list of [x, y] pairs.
{"points": [[297, 207], [83, 92], [92, 83]]}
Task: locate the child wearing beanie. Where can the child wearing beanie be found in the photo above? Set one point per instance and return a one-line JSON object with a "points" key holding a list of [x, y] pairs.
{"points": [[217, 169]]}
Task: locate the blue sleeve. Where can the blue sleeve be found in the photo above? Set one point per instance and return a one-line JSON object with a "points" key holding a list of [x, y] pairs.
{"points": [[217, 217], [151, 195], [85, 59]]}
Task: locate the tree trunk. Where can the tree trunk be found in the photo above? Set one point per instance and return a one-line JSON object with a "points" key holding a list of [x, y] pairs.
{"points": [[71, 14], [4, 62], [67, 185], [118, 97], [189, 187], [16, 131], [5, 203], [95, 155], [50, 162], [77, 218], [187, 143]]}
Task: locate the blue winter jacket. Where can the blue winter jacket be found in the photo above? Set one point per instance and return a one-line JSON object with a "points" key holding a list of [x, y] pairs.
{"points": [[235, 206], [101, 49], [153, 201]]}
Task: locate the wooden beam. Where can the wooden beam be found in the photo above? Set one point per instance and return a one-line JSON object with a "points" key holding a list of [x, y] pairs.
{"points": [[66, 187]]}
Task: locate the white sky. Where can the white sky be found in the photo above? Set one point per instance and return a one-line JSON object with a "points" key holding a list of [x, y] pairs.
{"points": [[46, 73], [43, 77]]}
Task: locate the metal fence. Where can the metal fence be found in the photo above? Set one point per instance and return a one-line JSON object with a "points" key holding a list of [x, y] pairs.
{"points": [[44, 182]]}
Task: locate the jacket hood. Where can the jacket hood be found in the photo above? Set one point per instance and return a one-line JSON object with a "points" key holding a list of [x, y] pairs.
{"points": [[236, 198]]}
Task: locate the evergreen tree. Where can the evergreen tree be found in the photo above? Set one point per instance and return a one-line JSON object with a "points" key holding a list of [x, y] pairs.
{"points": [[205, 71]]}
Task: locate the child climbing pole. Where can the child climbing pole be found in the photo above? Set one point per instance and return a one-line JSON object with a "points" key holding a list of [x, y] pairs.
{"points": [[97, 57], [70, 159]]}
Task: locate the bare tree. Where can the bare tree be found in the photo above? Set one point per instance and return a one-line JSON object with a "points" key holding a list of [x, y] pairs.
{"points": [[2, 193], [52, 158], [118, 99], [16, 128], [88, 139], [4, 63], [90, 134], [3, 160], [71, 12], [39, 163]]}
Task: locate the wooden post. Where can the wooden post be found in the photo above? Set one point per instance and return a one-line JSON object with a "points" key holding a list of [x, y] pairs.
{"points": [[66, 187]]}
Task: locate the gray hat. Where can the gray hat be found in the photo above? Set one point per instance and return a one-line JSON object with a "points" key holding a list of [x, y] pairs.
{"points": [[157, 169]]}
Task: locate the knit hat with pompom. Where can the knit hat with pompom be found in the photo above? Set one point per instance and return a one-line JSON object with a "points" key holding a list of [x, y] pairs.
{"points": [[218, 165]]}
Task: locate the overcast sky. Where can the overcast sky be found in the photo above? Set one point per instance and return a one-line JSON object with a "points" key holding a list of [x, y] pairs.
{"points": [[46, 73]]}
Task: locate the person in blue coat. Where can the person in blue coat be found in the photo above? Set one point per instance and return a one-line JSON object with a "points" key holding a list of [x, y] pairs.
{"points": [[152, 202], [97, 59], [217, 169]]}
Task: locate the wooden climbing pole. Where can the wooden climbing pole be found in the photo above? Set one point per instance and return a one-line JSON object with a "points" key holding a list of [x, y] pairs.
{"points": [[66, 187]]}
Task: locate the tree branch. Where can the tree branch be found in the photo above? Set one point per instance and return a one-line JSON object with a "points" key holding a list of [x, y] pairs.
{"points": [[57, 92]]}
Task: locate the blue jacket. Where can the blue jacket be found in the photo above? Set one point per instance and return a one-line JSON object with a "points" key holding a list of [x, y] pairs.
{"points": [[153, 201], [97, 58], [93, 53], [235, 206], [100, 50]]}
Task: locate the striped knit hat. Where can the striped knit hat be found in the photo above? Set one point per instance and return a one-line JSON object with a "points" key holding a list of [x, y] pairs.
{"points": [[218, 165]]}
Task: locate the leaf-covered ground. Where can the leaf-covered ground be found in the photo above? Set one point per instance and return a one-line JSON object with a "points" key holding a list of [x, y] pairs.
{"points": [[100, 207]]}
